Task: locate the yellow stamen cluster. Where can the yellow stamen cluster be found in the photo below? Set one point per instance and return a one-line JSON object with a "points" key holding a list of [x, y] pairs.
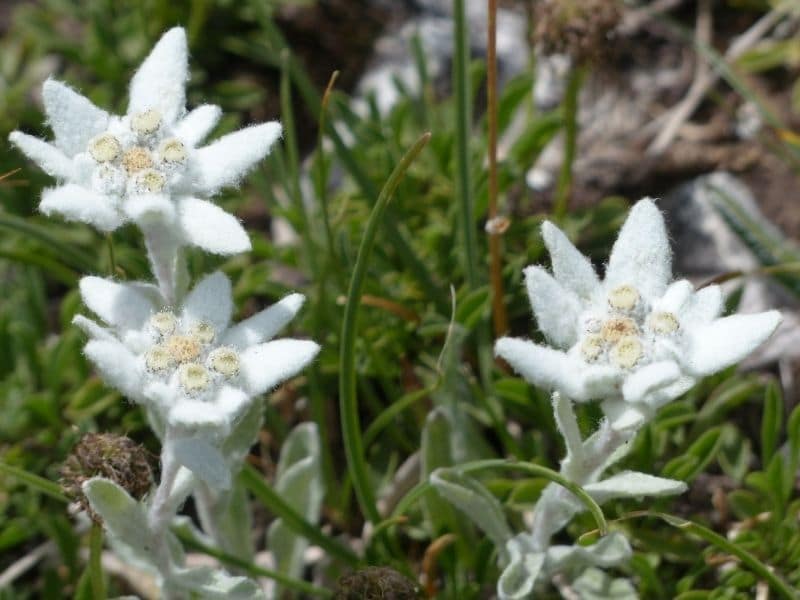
{"points": [[163, 322], [183, 348], [663, 323], [147, 122], [136, 159], [173, 151], [158, 359], [194, 377], [623, 298], [627, 352], [151, 181], [203, 332], [105, 148], [224, 361], [592, 347], [616, 328]]}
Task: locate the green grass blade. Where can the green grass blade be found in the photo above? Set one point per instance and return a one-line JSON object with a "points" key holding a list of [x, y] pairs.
{"points": [[50, 488], [348, 402], [253, 481]]}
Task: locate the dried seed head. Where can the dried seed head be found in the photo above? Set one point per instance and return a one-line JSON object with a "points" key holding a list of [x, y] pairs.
{"points": [[147, 122], [592, 347], [114, 457], [627, 352], [158, 359], [624, 298], [224, 361], [616, 328], [194, 378], [579, 28], [663, 323], [136, 159], [164, 322], [105, 148], [151, 181], [375, 583], [172, 151], [203, 332]]}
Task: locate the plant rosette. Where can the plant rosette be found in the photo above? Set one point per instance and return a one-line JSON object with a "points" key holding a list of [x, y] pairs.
{"points": [[189, 365], [636, 339], [146, 166]]}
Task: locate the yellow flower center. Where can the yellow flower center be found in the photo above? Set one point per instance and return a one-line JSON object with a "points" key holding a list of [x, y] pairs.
{"points": [[173, 151], [163, 322], [624, 297], [592, 347], [136, 159], [158, 358], [664, 323], [183, 348], [194, 377], [224, 361], [151, 181], [105, 148], [147, 122], [203, 332], [616, 328], [626, 352]]}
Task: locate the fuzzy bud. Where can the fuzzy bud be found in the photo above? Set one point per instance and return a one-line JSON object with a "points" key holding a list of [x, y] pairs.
{"points": [[375, 583], [111, 456], [581, 29]]}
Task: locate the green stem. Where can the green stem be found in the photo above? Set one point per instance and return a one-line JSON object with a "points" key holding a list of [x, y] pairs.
{"points": [[564, 188], [51, 488], [419, 490], [348, 402], [753, 563], [95, 561], [254, 481], [111, 258]]}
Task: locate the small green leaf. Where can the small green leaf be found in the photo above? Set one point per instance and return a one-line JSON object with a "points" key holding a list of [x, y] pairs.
{"points": [[475, 502], [697, 457], [771, 422]]}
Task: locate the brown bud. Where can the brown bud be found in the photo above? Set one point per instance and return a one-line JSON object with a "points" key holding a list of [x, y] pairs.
{"points": [[580, 28], [376, 583], [114, 457]]}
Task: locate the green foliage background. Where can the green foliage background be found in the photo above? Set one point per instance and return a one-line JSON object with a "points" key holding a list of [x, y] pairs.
{"points": [[425, 373]]}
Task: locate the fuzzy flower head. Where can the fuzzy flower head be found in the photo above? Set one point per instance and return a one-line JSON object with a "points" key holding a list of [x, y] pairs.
{"points": [[146, 165], [189, 365], [635, 339]]}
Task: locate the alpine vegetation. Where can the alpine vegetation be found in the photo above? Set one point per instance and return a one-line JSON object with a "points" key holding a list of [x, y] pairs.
{"points": [[171, 349], [634, 341]]}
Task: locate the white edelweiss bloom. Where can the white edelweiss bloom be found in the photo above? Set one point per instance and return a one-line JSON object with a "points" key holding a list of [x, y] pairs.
{"points": [[195, 369], [146, 165], [636, 339]]}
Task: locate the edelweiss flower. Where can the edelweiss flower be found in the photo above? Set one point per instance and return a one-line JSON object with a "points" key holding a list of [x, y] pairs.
{"points": [[146, 165], [189, 365], [634, 339]]}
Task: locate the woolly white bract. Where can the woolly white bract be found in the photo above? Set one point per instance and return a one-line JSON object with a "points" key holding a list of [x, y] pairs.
{"points": [[146, 166], [635, 340], [189, 365]]}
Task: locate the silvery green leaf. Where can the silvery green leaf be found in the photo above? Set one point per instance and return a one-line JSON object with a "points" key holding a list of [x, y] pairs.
{"points": [[436, 453], [632, 484], [234, 522], [123, 517], [209, 584], [243, 435], [519, 578], [610, 551], [475, 501], [594, 584], [299, 481], [204, 460]]}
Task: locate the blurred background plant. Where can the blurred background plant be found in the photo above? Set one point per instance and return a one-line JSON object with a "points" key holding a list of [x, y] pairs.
{"points": [[429, 393]]}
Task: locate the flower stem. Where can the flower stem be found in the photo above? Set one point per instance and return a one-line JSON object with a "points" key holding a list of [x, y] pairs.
{"points": [[161, 511], [111, 258], [166, 260]]}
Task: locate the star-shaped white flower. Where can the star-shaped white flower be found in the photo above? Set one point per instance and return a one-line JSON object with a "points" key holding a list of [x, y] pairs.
{"points": [[146, 165], [636, 339], [195, 370]]}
